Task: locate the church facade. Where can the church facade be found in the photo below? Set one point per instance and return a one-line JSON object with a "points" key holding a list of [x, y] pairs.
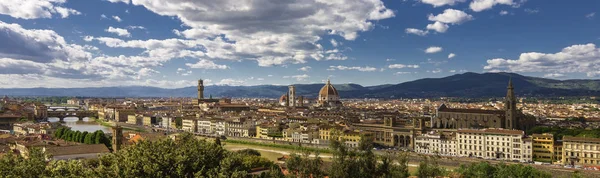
{"points": [[509, 118]]}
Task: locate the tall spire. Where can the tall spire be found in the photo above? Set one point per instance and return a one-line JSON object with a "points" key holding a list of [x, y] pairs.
{"points": [[510, 84]]}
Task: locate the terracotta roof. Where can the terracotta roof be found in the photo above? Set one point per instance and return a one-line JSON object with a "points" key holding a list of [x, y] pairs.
{"points": [[580, 139], [492, 131], [478, 111], [77, 149]]}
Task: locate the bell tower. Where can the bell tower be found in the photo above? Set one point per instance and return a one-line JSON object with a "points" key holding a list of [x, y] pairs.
{"points": [[510, 105], [200, 89]]}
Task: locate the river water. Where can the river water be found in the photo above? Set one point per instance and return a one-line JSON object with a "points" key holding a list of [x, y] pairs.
{"points": [[85, 125]]}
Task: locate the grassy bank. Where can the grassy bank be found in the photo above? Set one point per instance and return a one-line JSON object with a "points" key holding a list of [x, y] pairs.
{"points": [[274, 145]]}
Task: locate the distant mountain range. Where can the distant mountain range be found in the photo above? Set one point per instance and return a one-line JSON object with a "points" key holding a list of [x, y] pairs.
{"points": [[469, 84]]}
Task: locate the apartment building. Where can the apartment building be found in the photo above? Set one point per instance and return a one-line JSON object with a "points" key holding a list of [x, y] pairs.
{"points": [[436, 144], [189, 125], [498, 144], [543, 147], [581, 151]]}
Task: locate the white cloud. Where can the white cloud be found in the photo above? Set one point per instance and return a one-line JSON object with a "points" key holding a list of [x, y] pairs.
{"points": [[116, 1], [206, 64], [133, 27], [145, 72], [451, 16], [452, 71], [481, 5], [438, 27], [435, 71], [416, 31], [582, 58], [362, 69], [401, 66], [433, 49], [231, 82], [388, 60], [402, 73], [438, 3], [277, 33], [305, 68], [37, 80], [590, 15], [451, 55], [119, 31], [503, 12], [554, 75], [302, 77], [334, 43], [531, 11], [34, 9], [103, 16], [117, 18], [183, 72]]}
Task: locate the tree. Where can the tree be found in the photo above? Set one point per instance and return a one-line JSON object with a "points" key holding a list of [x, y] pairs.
{"points": [[393, 165], [249, 152], [305, 167], [99, 137], [352, 163], [218, 141], [429, 167], [82, 138], [89, 138], [59, 132]]}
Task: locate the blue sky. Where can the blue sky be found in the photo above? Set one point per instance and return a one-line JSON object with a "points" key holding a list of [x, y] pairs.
{"points": [[92, 43]]}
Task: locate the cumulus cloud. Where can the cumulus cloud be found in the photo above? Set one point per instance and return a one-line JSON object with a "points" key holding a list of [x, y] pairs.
{"points": [[145, 72], [206, 64], [481, 5], [581, 58], [438, 27], [183, 72], [334, 43], [433, 49], [117, 18], [302, 77], [119, 31], [451, 16], [401, 66], [438, 3], [270, 32], [416, 31], [362, 69], [503, 13], [305, 68], [34, 9], [451, 55], [231, 82]]}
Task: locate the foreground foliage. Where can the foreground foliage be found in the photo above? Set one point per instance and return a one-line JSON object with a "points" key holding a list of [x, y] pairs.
{"points": [[486, 170], [184, 157]]}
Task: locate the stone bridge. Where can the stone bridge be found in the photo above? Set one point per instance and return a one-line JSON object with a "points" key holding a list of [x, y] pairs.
{"points": [[62, 108], [61, 115]]}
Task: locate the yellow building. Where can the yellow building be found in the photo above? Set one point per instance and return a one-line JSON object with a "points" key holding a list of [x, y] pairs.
{"points": [[543, 147], [267, 131], [558, 151], [581, 151]]}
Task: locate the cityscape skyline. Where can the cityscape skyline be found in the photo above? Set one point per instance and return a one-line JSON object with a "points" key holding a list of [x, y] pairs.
{"points": [[146, 43]]}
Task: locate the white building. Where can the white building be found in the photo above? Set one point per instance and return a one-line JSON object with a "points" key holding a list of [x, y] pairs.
{"points": [[498, 144], [241, 127], [204, 126], [189, 125], [436, 143]]}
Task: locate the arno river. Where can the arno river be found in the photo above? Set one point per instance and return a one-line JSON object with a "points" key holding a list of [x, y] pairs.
{"points": [[85, 125]]}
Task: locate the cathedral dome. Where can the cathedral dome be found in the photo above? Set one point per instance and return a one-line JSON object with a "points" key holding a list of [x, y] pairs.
{"points": [[328, 91], [283, 98]]}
